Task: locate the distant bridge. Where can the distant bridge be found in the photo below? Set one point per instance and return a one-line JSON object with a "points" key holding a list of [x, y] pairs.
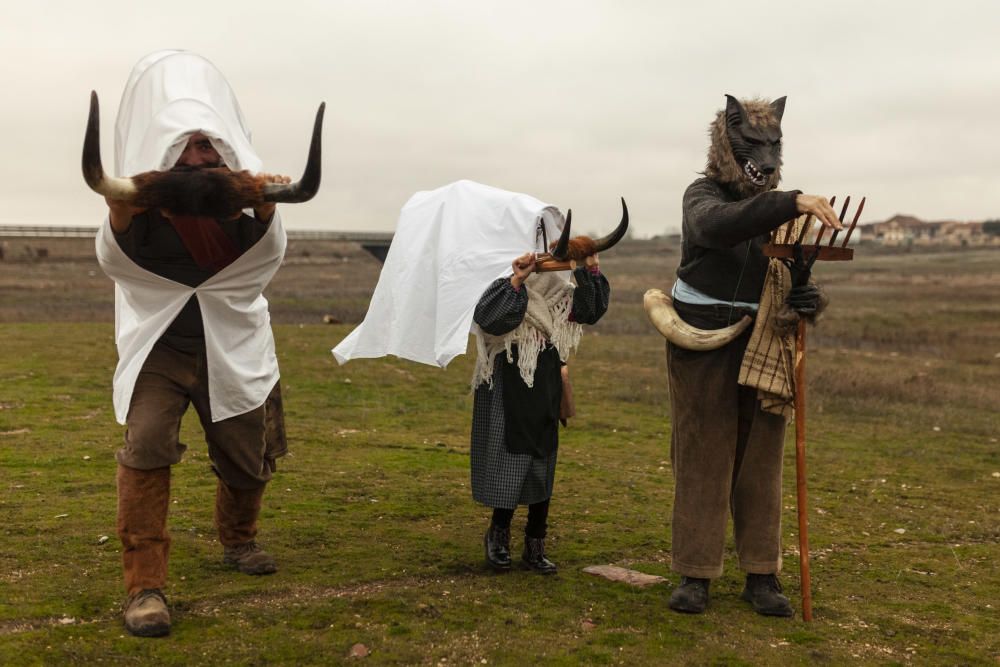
{"points": [[48, 231]]}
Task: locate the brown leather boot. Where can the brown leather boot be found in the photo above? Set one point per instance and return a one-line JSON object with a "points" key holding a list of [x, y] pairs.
{"points": [[146, 614], [143, 499], [236, 513]]}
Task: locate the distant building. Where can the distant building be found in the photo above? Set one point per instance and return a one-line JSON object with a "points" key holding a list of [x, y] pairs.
{"points": [[907, 230]]}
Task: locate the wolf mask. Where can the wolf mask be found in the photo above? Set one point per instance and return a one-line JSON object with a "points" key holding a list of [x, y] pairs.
{"points": [[745, 153]]}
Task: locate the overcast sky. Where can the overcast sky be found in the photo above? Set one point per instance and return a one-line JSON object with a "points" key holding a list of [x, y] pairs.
{"points": [[575, 103]]}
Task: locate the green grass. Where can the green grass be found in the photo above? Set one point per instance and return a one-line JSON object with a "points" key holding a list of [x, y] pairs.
{"points": [[379, 541]]}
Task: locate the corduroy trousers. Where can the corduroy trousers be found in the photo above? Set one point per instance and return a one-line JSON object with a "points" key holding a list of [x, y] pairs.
{"points": [[726, 455]]}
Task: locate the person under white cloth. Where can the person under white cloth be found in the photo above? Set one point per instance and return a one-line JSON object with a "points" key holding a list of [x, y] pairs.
{"points": [[191, 326]]}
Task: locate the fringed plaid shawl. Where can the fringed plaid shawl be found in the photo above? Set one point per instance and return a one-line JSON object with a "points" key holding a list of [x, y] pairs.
{"points": [[769, 361], [550, 302]]}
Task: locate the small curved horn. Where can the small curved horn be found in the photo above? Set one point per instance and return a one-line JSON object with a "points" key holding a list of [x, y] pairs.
{"points": [[307, 186], [122, 189], [560, 252], [660, 310], [614, 237]]}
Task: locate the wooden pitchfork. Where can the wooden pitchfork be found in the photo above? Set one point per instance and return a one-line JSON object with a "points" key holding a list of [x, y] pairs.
{"points": [[830, 253]]}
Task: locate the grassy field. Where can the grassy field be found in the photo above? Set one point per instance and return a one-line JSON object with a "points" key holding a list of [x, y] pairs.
{"points": [[379, 542]]}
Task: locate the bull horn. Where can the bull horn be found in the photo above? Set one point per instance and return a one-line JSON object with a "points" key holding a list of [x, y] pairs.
{"points": [[306, 187], [614, 237], [660, 309], [122, 189], [560, 252]]}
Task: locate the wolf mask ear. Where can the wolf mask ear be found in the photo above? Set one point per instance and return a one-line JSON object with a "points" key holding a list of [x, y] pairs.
{"points": [[734, 111], [779, 107]]}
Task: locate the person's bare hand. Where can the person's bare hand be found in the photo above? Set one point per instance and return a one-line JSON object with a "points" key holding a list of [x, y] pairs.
{"points": [[121, 213], [264, 212], [819, 207], [523, 266]]}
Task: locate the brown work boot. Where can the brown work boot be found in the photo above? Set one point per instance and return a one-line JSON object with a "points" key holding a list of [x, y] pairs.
{"points": [[236, 513], [249, 558], [146, 614], [143, 499]]}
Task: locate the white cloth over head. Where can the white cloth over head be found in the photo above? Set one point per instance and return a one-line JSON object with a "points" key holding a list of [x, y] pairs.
{"points": [[183, 93], [449, 245], [239, 344], [169, 96]]}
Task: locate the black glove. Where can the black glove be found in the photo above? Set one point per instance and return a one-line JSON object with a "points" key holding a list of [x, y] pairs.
{"points": [[800, 267], [804, 299]]}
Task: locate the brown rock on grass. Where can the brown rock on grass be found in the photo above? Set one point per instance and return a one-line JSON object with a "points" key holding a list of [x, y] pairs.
{"points": [[624, 575]]}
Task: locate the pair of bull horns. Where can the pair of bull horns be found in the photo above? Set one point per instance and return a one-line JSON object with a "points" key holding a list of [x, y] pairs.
{"points": [[562, 250], [660, 310], [125, 189]]}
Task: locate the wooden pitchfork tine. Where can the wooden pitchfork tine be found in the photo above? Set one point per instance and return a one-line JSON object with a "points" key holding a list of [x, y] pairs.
{"points": [[807, 225], [854, 223], [828, 253], [791, 228], [843, 212]]}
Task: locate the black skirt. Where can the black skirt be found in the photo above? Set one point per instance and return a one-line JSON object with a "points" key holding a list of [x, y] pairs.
{"points": [[531, 414]]}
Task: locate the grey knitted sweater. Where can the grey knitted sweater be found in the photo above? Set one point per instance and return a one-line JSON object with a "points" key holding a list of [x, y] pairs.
{"points": [[722, 238]]}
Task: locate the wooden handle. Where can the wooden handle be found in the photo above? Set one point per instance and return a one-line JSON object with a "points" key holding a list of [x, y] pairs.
{"points": [[826, 253], [800, 467], [543, 265]]}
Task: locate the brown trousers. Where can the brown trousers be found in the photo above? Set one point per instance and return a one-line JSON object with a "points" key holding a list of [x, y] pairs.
{"points": [[242, 449], [727, 455]]}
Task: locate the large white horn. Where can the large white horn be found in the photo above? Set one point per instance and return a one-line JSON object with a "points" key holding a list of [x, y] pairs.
{"points": [[660, 309]]}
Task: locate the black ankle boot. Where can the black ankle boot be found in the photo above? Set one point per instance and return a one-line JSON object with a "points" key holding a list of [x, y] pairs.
{"points": [[763, 591], [534, 556], [497, 545], [690, 596]]}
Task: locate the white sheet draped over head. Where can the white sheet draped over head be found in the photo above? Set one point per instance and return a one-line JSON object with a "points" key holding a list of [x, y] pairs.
{"points": [[449, 245], [171, 95]]}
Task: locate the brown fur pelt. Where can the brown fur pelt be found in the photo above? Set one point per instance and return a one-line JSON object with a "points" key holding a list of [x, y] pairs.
{"points": [[722, 166], [787, 319], [216, 192], [580, 248]]}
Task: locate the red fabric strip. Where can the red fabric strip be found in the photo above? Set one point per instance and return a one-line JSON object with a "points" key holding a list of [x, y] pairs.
{"points": [[205, 240]]}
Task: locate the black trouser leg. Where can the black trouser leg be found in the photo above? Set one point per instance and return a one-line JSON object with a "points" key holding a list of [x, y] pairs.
{"points": [[502, 517], [537, 516]]}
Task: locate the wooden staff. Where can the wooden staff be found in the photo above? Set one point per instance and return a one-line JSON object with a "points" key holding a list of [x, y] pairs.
{"points": [[827, 252], [800, 467]]}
